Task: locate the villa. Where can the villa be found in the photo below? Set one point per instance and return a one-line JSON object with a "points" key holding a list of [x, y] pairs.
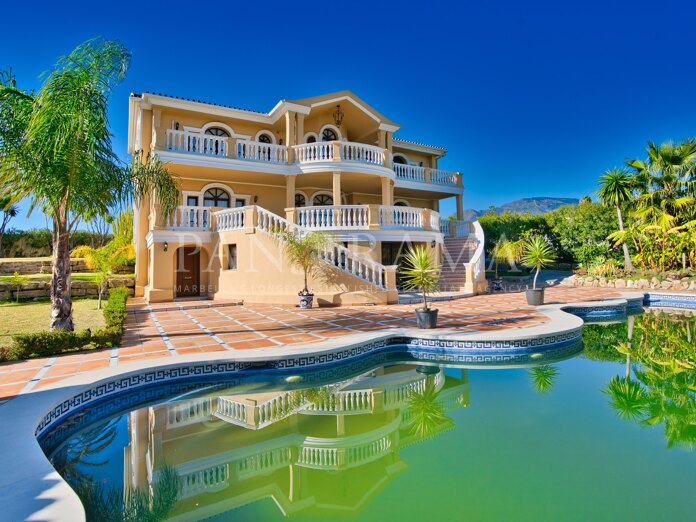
{"points": [[327, 163]]}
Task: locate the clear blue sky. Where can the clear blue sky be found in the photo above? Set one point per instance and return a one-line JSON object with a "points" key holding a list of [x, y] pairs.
{"points": [[531, 98]]}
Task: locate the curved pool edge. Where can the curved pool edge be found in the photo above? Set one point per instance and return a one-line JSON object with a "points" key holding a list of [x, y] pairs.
{"points": [[33, 490]]}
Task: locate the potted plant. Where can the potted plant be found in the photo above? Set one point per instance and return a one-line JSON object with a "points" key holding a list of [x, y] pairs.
{"points": [[303, 251], [421, 273], [537, 254]]}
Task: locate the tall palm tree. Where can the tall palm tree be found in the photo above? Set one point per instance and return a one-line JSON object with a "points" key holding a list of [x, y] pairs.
{"points": [[666, 183], [616, 188], [55, 148]]}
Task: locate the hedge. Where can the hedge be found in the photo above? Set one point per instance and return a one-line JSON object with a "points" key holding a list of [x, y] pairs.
{"points": [[45, 343]]}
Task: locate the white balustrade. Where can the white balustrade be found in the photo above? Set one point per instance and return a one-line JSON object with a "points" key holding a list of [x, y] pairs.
{"points": [[455, 228], [318, 457], [189, 412], [400, 217], [276, 409], [263, 463], [230, 219], [196, 142], [343, 217], [313, 152], [362, 153], [189, 218], [338, 256], [398, 395], [209, 480], [435, 220], [258, 151], [443, 177], [409, 172]]}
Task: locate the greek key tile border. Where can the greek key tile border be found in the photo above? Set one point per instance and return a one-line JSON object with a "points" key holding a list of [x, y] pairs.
{"points": [[657, 300]]}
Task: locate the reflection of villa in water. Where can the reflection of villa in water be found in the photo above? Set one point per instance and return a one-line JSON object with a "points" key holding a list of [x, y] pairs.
{"points": [[330, 453]]}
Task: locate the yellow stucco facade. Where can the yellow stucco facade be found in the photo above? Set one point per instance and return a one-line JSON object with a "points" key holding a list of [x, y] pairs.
{"points": [[328, 163]]}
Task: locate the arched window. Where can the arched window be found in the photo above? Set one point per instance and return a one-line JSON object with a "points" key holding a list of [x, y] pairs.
{"points": [[400, 204], [322, 200], [328, 135], [311, 139], [265, 138], [400, 160], [216, 197], [217, 131], [300, 200]]}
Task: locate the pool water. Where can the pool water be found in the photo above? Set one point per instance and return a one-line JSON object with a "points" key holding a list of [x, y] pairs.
{"points": [[608, 434]]}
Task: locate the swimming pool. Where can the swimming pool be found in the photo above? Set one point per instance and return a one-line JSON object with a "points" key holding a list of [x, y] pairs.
{"points": [[603, 431]]}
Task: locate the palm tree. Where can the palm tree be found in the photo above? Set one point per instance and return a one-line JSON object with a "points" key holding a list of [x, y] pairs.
{"points": [[507, 251], [543, 377], [427, 412], [55, 148], [303, 251], [616, 188], [665, 182], [421, 272], [8, 211], [627, 398], [537, 254]]}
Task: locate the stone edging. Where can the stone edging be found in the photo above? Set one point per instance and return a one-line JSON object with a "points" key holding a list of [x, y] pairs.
{"points": [[35, 490]]}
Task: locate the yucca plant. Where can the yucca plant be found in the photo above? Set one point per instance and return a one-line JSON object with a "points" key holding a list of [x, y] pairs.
{"points": [[421, 272], [537, 254]]}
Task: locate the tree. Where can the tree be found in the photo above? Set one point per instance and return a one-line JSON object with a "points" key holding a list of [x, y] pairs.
{"points": [[421, 272], [8, 211], [507, 251], [543, 377], [537, 254], [17, 281], [303, 251], [616, 189], [55, 148]]}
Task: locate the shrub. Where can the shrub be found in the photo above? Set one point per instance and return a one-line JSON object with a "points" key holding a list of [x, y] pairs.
{"points": [[45, 343]]}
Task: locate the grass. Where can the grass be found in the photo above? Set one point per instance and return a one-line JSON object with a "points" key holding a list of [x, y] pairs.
{"points": [[77, 276], [34, 316]]}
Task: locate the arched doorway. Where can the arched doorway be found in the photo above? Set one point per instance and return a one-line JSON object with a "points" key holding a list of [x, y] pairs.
{"points": [[188, 272]]}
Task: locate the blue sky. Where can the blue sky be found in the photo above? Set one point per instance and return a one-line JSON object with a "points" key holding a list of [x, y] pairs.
{"points": [[531, 98]]}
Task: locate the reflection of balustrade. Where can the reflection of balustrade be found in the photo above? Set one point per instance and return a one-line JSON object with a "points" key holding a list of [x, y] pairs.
{"points": [[188, 412], [365, 453], [351, 401], [319, 458], [263, 462], [209, 480]]}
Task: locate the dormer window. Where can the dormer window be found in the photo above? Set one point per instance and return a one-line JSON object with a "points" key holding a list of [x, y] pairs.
{"points": [[328, 135]]}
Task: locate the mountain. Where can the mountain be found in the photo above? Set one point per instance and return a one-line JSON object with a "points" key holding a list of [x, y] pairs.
{"points": [[539, 205]]}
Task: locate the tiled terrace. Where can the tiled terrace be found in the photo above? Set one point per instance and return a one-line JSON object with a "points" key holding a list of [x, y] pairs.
{"points": [[172, 329]]}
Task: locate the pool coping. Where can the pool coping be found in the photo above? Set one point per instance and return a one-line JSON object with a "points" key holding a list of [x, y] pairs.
{"points": [[33, 490]]}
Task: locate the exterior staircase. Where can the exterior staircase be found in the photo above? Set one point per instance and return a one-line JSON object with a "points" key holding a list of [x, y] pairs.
{"points": [[456, 252]]}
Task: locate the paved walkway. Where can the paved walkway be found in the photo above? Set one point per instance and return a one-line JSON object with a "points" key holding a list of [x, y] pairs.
{"points": [[172, 329]]}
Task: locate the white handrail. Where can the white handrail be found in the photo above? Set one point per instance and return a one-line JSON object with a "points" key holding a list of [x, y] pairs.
{"points": [[230, 219], [476, 265], [196, 142], [337, 217], [455, 228], [435, 220], [362, 153], [409, 172], [443, 177], [313, 152], [400, 217], [258, 151], [187, 217], [335, 255]]}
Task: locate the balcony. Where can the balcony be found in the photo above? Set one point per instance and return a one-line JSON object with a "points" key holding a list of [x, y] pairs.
{"points": [[365, 217], [307, 157]]}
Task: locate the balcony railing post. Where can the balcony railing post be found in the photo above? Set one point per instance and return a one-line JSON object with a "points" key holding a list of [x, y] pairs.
{"points": [[373, 217], [250, 217], [336, 146], [291, 215], [426, 219], [427, 176]]}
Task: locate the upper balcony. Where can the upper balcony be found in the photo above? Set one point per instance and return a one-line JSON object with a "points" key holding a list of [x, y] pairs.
{"points": [[229, 152]]}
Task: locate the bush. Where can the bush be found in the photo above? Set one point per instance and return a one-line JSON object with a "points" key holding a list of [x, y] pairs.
{"points": [[45, 343]]}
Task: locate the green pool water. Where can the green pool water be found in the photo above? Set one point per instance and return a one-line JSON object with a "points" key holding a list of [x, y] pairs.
{"points": [[609, 434]]}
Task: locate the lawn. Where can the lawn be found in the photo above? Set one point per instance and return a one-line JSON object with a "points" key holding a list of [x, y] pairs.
{"points": [[34, 316], [77, 276]]}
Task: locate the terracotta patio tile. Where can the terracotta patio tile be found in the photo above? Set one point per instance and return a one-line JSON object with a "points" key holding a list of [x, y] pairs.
{"points": [[247, 345]]}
